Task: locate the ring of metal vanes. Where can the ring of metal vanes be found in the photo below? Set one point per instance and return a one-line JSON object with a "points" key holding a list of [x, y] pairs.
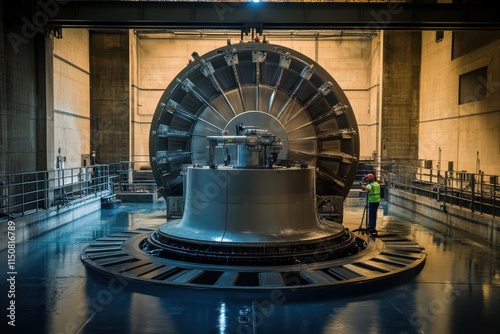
{"points": [[386, 258], [333, 247]]}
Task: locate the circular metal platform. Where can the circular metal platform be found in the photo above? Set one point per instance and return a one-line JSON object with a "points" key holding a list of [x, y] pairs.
{"points": [[386, 258]]}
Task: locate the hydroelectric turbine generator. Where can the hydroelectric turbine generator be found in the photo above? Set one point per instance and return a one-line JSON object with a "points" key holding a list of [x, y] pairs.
{"points": [[255, 137]]}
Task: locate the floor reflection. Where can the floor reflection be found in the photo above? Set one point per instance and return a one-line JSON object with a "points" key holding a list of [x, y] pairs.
{"points": [[457, 291]]}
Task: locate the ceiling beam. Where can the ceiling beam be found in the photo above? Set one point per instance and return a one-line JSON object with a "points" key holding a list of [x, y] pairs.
{"points": [[274, 15]]}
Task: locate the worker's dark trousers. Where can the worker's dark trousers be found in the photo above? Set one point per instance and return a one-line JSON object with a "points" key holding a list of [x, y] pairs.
{"points": [[372, 215]]}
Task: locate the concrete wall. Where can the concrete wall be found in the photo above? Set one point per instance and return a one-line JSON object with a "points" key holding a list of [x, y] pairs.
{"points": [[400, 96], [72, 96], [44, 100], [424, 210], [20, 108], [159, 58], [110, 95], [349, 61], [369, 119], [459, 130]]}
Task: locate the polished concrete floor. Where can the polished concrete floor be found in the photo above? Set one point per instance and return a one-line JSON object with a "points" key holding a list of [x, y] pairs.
{"points": [[458, 291]]}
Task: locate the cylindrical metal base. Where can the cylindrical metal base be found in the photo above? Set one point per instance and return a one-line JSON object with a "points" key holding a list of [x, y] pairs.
{"points": [[250, 206]]}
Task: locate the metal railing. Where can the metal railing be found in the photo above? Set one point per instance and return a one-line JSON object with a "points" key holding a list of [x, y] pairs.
{"points": [[26, 193], [477, 192], [132, 174]]}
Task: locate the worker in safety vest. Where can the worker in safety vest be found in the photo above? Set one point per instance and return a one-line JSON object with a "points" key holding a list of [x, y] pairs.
{"points": [[373, 190]]}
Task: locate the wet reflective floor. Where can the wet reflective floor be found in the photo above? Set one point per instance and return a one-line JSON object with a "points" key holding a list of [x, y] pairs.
{"points": [[458, 290]]}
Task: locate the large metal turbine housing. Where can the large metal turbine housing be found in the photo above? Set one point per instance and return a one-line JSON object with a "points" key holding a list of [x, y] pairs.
{"points": [[253, 135], [259, 84], [263, 98]]}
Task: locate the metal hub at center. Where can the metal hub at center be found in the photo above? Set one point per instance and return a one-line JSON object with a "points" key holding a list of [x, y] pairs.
{"points": [[264, 121]]}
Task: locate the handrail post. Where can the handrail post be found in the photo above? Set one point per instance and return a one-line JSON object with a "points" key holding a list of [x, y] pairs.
{"points": [[494, 196], [46, 181], [461, 192], [445, 196], [473, 192], [8, 194], [481, 178], [23, 197]]}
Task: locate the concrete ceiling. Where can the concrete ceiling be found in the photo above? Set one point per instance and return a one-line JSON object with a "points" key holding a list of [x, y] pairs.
{"points": [[244, 16]]}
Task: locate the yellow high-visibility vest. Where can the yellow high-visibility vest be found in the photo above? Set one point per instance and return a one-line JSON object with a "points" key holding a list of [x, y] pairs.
{"points": [[374, 193]]}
